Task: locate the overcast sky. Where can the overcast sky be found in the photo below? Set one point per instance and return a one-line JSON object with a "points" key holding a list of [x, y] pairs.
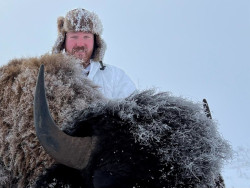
{"points": [[196, 48]]}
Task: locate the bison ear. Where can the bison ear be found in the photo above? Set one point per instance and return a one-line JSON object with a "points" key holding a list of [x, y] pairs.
{"points": [[71, 151], [206, 109]]}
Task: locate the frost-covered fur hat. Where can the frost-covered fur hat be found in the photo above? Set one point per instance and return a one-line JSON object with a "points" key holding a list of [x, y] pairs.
{"points": [[80, 20]]}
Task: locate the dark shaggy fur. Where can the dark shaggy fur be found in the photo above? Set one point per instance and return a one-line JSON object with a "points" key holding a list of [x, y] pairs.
{"points": [[148, 140]]}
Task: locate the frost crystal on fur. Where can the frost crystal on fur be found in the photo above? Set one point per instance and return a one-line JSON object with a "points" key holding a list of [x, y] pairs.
{"points": [[68, 91]]}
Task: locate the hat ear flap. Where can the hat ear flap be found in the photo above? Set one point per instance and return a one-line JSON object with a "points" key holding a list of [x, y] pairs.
{"points": [[100, 49], [60, 24], [59, 44]]}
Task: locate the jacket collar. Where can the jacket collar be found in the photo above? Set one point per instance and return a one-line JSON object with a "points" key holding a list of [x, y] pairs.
{"points": [[94, 66]]}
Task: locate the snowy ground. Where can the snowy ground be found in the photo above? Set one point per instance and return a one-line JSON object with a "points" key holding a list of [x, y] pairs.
{"points": [[237, 172]]}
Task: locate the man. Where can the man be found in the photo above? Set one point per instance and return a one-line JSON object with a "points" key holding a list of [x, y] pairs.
{"points": [[79, 34]]}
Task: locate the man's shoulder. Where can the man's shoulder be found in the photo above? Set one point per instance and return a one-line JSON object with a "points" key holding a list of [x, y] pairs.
{"points": [[108, 68], [115, 68]]}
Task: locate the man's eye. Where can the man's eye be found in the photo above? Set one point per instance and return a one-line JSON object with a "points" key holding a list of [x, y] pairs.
{"points": [[86, 37], [73, 37]]}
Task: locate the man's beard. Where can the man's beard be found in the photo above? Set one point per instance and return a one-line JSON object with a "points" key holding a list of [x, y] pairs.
{"points": [[83, 57], [81, 49]]}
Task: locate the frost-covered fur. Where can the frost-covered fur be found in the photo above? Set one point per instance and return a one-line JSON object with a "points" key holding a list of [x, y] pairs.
{"points": [[180, 131], [189, 150], [22, 158], [81, 20]]}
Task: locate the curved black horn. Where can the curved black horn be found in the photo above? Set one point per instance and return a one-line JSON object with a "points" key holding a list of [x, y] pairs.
{"points": [[70, 151]]}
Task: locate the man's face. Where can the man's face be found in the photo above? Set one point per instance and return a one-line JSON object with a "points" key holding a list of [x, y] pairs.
{"points": [[80, 45]]}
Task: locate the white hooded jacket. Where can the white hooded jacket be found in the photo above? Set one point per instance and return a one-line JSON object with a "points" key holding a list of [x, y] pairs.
{"points": [[113, 82]]}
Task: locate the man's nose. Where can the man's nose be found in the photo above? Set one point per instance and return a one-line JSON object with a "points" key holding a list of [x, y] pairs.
{"points": [[80, 42]]}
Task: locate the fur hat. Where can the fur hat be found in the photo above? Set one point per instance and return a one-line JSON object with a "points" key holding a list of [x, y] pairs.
{"points": [[80, 20]]}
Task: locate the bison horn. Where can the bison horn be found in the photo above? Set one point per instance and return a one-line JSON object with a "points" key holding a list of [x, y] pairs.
{"points": [[70, 151]]}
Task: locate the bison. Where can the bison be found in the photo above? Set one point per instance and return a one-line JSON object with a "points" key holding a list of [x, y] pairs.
{"points": [[148, 140]]}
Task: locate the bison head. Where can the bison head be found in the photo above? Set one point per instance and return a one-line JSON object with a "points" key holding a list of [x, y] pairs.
{"points": [[147, 140]]}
